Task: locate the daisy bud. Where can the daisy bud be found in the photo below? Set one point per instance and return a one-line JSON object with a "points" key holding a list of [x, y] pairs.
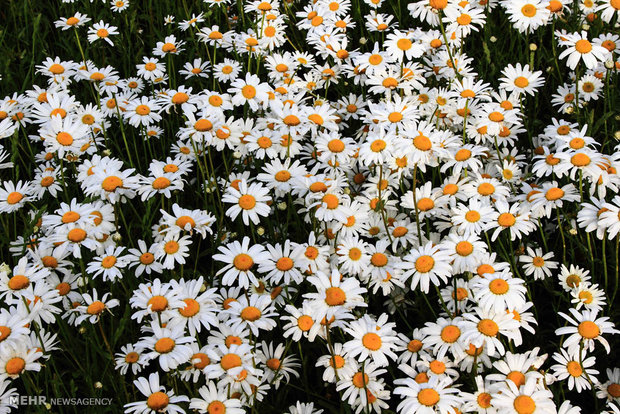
{"points": [[347, 190], [208, 190], [569, 110], [399, 298], [5, 268], [48, 406], [35, 229], [236, 154], [609, 64], [549, 69], [362, 41], [82, 330], [98, 385], [617, 135], [533, 47], [585, 26], [282, 206], [203, 287], [82, 281], [572, 232], [106, 152], [260, 231], [617, 117], [116, 237], [549, 378], [493, 39]]}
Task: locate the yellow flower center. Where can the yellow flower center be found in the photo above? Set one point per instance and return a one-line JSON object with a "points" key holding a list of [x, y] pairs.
{"points": [[157, 401], [524, 405], [428, 397], [335, 296], [424, 264], [243, 262]]}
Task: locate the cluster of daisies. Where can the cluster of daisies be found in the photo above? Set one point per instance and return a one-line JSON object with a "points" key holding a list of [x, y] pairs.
{"points": [[362, 221]]}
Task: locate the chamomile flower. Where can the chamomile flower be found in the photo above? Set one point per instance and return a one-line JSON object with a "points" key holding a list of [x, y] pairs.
{"points": [[250, 200], [588, 296], [498, 292], [530, 397], [372, 339], [334, 294], [158, 398], [168, 345], [101, 30], [572, 277], [527, 15], [240, 258], [521, 79], [16, 359], [77, 20], [173, 249], [129, 357], [577, 370], [482, 328], [284, 263], [538, 264], [154, 299], [200, 307], [426, 264], [170, 46], [610, 389], [579, 48], [213, 400], [14, 196], [586, 328], [255, 313], [109, 265], [142, 112], [433, 396]]}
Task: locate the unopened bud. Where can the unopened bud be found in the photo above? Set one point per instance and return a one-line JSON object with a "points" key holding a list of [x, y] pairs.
{"points": [[82, 330], [569, 110], [585, 26], [116, 237], [98, 385], [493, 39], [203, 287], [609, 64], [106, 152], [362, 41], [617, 135], [282, 206], [260, 231], [237, 154], [533, 47]]}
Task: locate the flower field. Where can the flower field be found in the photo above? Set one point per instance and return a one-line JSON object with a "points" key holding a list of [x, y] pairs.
{"points": [[304, 207]]}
